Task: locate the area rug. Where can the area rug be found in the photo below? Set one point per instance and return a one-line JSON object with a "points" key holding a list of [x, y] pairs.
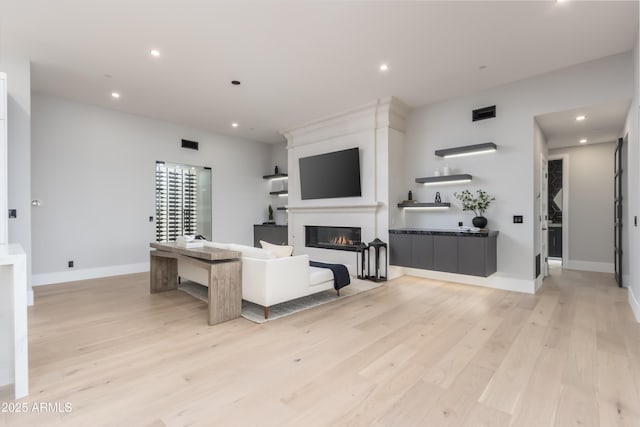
{"points": [[255, 313]]}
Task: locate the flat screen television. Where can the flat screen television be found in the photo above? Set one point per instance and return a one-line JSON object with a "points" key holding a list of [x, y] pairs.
{"points": [[330, 175]]}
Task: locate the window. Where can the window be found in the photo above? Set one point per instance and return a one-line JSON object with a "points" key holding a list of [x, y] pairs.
{"points": [[183, 201]]}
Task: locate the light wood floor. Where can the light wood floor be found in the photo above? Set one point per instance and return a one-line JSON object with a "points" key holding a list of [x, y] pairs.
{"points": [[413, 352]]}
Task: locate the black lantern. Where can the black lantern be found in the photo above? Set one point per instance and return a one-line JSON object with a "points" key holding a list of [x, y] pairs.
{"points": [[362, 260], [378, 274]]}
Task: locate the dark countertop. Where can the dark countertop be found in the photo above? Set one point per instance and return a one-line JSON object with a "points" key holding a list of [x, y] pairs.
{"points": [[444, 232]]}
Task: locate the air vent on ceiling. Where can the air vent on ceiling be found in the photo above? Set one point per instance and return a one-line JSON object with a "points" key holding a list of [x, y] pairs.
{"points": [[193, 145], [484, 113]]}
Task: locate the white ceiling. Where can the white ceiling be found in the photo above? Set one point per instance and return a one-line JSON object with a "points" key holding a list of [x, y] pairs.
{"points": [[602, 123], [297, 60]]}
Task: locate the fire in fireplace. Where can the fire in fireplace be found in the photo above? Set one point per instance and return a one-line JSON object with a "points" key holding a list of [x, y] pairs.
{"points": [[340, 238]]}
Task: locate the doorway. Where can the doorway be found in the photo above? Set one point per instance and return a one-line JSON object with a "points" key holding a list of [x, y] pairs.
{"points": [[183, 201], [584, 230], [558, 208]]}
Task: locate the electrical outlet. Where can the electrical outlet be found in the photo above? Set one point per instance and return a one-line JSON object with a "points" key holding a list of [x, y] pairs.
{"points": [[517, 219], [150, 219], [13, 213], [459, 223], [70, 264]]}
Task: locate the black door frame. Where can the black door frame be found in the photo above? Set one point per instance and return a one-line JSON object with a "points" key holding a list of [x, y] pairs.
{"points": [[617, 210]]}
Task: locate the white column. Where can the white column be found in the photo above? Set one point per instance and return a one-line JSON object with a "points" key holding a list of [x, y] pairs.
{"points": [[14, 355], [3, 160]]}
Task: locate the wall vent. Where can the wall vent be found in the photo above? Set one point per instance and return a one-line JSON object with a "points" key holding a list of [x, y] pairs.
{"points": [[483, 113], [192, 145]]}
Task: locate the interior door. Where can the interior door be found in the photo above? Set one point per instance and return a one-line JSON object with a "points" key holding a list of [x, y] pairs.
{"points": [[617, 211]]}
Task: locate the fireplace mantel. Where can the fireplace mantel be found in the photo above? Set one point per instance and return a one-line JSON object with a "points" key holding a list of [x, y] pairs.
{"points": [[377, 130]]}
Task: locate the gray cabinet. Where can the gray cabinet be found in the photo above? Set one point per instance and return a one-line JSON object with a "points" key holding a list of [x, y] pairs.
{"points": [[477, 256], [422, 251], [445, 253], [276, 234], [451, 252], [400, 249], [555, 242]]}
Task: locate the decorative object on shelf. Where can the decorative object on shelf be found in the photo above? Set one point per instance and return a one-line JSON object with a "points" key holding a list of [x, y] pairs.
{"points": [[449, 179], [378, 274], [467, 150], [362, 260], [271, 221], [478, 204], [275, 171], [438, 199], [436, 172], [446, 170], [410, 195]]}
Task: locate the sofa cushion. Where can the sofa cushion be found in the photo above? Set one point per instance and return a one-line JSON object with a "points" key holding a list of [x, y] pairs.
{"points": [[279, 251], [319, 275], [251, 252]]}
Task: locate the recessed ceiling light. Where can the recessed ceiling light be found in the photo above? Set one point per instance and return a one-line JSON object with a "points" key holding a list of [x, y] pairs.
{"points": [[115, 95], [384, 67], [583, 141], [234, 125], [235, 82], [580, 118], [155, 52]]}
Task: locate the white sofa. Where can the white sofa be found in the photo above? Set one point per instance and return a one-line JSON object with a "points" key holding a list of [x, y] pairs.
{"points": [[267, 280]]}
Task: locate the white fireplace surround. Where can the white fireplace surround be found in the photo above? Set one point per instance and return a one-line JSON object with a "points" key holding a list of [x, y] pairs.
{"points": [[377, 129]]}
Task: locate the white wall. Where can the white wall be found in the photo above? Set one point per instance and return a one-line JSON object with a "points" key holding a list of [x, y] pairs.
{"points": [[507, 174], [590, 219], [93, 169], [279, 157], [18, 72]]}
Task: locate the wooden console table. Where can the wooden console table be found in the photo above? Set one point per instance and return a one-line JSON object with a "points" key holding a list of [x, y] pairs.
{"points": [[223, 272]]}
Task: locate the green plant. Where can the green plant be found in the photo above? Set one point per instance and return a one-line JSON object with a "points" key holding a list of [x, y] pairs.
{"points": [[270, 213], [477, 204]]}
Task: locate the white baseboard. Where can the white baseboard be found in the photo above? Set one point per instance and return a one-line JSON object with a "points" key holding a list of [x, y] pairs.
{"points": [[600, 267], [30, 297], [634, 303], [395, 272], [87, 273], [496, 280]]}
